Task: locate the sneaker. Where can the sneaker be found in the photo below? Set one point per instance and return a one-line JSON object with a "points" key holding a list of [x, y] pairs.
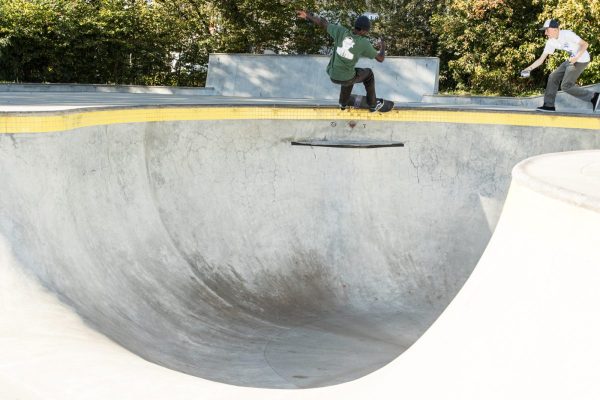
{"points": [[595, 101], [377, 107], [546, 108], [343, 108]]}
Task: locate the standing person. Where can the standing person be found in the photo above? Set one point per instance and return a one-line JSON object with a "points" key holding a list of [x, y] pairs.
{"points": [[350, 45], [565, 76]]}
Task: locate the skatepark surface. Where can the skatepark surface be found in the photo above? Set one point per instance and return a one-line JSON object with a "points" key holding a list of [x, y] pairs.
{"points": [[180, 247]]}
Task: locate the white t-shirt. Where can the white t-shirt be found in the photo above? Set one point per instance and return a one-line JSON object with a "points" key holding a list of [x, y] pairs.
{"points": [[567, 41]]}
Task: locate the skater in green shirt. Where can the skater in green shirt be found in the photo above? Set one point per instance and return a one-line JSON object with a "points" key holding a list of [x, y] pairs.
{"points": [[350, 46]]}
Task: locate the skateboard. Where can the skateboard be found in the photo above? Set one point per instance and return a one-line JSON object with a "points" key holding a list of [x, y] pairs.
{"points": [[360, 101]]}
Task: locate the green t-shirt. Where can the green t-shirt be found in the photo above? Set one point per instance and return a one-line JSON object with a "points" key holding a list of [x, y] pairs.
{"points": [[348, 49]]}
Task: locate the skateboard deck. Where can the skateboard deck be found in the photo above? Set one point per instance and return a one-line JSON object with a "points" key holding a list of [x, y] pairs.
{"points": [[360, 101]]}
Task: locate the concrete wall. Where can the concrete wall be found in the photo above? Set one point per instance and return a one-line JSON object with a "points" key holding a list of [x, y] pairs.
{"points": [[402, 79]]}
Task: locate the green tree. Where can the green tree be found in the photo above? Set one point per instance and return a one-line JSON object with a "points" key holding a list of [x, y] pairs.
{"points": [[405, 24], [134, 47], [99, 41], [26, 32], [483, 44]]}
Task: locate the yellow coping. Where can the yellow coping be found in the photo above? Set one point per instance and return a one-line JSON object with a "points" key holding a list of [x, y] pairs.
{"points": [[11, 123]]}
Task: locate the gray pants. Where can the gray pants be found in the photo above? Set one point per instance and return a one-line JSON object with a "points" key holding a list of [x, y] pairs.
{"points": [[564, 77]]}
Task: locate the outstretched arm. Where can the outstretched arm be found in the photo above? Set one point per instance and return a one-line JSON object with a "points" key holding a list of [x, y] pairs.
{"points": [[537, 62], [322, 22]]}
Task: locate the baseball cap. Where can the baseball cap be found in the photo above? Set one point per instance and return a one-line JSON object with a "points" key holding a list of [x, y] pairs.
{"points": [[550, 23], [363, 23]]}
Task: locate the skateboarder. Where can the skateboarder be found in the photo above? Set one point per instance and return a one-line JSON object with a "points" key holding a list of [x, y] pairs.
{"points": [[565, 76], [350, 45]]}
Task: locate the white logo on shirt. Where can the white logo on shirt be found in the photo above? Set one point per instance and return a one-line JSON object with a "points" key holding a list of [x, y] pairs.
{"points": [[344, 51]]}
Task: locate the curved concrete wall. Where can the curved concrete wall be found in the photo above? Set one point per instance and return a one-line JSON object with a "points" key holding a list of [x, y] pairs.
{"points": [[216, 248]]}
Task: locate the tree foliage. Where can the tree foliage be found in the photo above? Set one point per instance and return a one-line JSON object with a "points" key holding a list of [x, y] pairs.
{"points": [[482, 44], [405, 24], [117, 41]]}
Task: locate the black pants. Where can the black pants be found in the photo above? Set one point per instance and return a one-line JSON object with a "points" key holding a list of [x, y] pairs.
{"points": [[364, 75]]}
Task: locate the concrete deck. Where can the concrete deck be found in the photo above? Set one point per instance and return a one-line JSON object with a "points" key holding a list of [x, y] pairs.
{"points": [[179, 248], [25, 98]]}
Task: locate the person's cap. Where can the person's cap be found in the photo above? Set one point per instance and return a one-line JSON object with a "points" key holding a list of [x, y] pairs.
{"points": [[550, 23], [363, 23]]}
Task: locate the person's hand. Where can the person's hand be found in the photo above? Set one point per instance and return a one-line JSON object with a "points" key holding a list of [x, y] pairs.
{"points": [[572, 60], [301, 14]]}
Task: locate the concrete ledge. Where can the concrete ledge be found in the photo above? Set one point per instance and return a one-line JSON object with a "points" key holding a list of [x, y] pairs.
{"points": [[563, 100], [401, 79], [89, 88]]}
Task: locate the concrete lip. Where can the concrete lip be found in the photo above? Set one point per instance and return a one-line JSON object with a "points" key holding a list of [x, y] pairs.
{"points": [[11, 102]]}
